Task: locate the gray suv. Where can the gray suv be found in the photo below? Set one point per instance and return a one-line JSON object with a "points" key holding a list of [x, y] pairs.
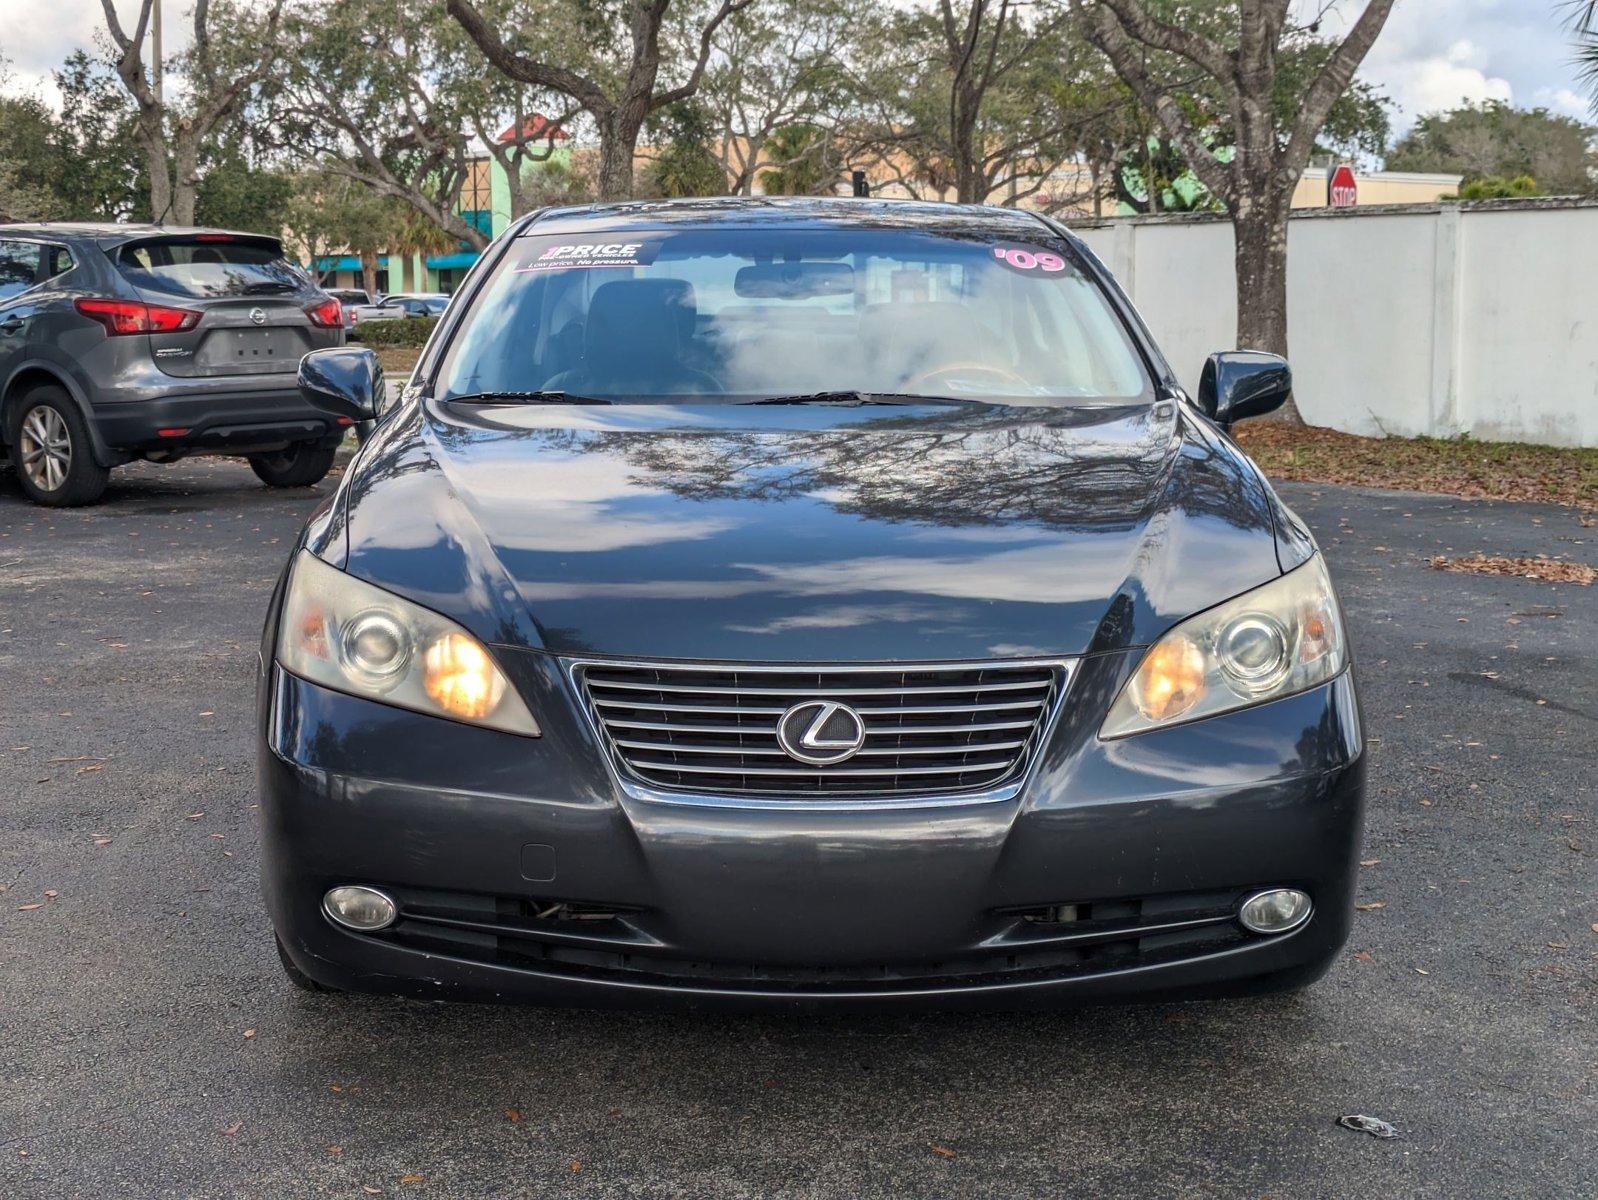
{"points": [[124, 342]]}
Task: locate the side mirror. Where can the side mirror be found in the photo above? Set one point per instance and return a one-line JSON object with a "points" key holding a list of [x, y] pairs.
{"points": [[1243, 383], [346, 381]]}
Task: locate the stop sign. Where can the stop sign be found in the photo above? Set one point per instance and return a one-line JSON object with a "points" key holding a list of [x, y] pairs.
{"points": [[1342, 191]]}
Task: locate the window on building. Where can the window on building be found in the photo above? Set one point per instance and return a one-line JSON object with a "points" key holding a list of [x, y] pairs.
{"points": [[477, 196]]}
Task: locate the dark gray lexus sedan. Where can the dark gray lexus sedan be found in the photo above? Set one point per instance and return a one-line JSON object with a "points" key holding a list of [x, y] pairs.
{"points": [[818, 601]]}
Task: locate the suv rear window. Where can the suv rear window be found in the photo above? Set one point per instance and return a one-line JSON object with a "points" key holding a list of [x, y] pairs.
{"points": [[199, 269]]}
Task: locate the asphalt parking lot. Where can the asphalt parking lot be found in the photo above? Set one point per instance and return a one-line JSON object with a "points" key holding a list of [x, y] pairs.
{"points": [[149, 1046]]}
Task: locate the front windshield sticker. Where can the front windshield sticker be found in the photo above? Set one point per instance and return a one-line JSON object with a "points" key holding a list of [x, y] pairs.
{"points": [[1029, 259], [593, 254]]}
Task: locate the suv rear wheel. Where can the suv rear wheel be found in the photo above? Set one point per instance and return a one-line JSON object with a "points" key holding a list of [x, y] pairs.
{"points": [[300, 465], [51, 451]]}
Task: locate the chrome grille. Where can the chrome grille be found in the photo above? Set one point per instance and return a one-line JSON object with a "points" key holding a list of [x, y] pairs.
{"points": [[712, 728]]}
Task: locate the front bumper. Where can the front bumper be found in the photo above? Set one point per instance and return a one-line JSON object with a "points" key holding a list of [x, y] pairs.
{"points": [[524, 873]]}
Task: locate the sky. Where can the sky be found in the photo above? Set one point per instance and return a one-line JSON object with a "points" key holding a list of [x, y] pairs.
{"points": [[1432, 53]]}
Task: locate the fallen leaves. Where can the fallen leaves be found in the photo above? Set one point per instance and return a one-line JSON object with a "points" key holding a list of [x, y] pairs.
{"points": [[941, 1151], [1453, 466], [513, 1115], [1364, 956], [1541, 567], [1372, 906], [233, 1129], [249, 1033], [28, 907], [1369, 862]]}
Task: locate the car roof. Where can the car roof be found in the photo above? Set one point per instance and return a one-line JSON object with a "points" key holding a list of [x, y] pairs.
{"points": [[814, 212], [111, 233]]}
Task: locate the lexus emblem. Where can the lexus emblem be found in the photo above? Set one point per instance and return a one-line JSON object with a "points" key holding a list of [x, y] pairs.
{"points": [[820, 732], [258, 315]]}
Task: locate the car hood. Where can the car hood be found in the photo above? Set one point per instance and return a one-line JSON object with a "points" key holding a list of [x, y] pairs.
{"points": [[809, 533]]}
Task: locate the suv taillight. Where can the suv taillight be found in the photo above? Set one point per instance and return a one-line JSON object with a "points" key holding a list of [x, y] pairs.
{"points": [[130, 316], [327, 315]]}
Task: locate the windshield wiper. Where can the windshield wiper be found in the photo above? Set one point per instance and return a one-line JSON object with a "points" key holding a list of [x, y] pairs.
{"points": [[551, 396], [856, 399]]}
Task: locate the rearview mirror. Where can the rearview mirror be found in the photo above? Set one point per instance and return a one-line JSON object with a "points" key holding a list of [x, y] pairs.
{"points": [[793, 280], [346, 381], [1243, 383]]}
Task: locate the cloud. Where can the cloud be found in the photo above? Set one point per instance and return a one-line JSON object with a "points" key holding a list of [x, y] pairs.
{"points": [[1446, 81], [1564, 101], [33, 48], [1433, 54]]}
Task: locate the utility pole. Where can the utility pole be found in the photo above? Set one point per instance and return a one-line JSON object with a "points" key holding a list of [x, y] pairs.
{"points": [[155, 50]]}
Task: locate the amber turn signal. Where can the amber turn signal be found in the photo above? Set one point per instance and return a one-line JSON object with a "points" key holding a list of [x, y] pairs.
{"points": [[461, 678], [1170, 681]]}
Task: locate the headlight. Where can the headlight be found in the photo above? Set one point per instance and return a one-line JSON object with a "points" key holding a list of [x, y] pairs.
{"points": [[1284, 637], [350, 636]]}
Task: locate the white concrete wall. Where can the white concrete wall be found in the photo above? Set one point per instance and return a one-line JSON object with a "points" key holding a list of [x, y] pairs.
{"points": [[1415, 319]]}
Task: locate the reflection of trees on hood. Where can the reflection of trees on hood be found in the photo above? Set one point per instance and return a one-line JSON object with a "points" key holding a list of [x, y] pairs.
{"points": [[987, 466]]}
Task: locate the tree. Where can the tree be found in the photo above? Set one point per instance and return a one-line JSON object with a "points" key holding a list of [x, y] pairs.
{"points": [[27, 129], [1492, 138], [986, 99], [617, 91], [1273, 131], [977, 49], [81, 163], [101, 172], [328, 213], [684, 164], [375, 91], [777, 66], [804, 160], [237, 195], [1584, 24], [228, 56]]}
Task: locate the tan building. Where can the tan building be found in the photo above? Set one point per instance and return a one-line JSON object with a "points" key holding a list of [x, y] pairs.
{"points": [[1069, 190], [1378, 187]]}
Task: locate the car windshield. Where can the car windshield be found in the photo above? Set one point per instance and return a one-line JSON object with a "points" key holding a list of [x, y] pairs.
{"points": [[207, 266], [756, 314]]}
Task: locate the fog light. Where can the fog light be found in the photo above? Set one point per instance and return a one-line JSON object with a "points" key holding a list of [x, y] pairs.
{"points": [[362, 908], [1275, 911]]}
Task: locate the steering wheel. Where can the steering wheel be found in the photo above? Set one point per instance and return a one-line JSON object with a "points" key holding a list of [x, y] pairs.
{"points": [[939, 374]]}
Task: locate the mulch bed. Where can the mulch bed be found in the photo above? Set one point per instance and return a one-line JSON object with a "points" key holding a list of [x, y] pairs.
{"points": [[1456, 466]]}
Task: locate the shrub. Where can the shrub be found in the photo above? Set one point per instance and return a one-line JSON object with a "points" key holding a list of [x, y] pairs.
{"points": [[401, 331], [1496, 187]]}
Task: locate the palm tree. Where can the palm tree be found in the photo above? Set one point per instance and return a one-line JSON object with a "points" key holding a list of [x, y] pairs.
{"points": [[1584, 22]]}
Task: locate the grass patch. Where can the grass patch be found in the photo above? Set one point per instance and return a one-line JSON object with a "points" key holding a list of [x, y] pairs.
{"points": [[1454, 466], [398, 361]]}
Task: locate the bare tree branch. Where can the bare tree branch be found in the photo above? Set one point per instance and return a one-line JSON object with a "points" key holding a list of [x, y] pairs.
{"points": [[1332, 82]]}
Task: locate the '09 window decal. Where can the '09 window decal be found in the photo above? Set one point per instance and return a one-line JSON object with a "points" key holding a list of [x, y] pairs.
{"points": [[1029, 260]]}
